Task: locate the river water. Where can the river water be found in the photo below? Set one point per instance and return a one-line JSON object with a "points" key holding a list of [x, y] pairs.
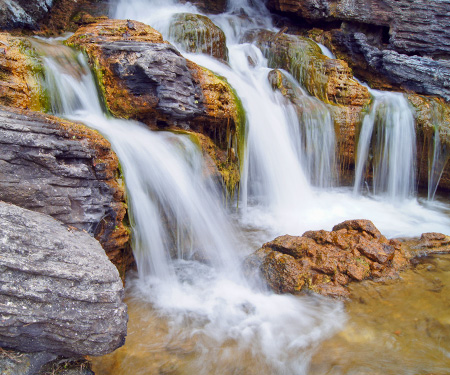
{"points": [[188, 317]]}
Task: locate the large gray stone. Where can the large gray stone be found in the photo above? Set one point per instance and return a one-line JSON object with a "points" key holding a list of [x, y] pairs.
{"points": [[23, 13], [64, 170], [58, 291]]}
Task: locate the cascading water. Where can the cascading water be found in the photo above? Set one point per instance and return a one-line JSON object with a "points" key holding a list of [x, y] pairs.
{"points": [[387, 144], [233, 328], [177, 216]]}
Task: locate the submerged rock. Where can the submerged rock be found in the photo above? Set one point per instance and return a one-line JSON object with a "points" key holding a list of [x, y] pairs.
{"points": [[325, 262], [65, 170], [198, 34], [59, 293]]}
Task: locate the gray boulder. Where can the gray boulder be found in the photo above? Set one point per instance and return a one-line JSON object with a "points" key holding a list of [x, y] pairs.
{"points": [[58, 291], [23, 13]]}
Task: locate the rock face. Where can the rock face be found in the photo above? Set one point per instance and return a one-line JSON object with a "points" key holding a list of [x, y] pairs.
{"points": [[329, 80], [327, 261], [407, 41], [23, 13], [413, 27], [145, 78], [198, 34], [65, 170], [209, 6], [59, 293], [20, 72]]}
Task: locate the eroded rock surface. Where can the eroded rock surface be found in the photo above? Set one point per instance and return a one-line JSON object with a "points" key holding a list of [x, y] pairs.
{"points": [[147, 79], [325, 262], [67, 171], [23, 13], [58, 291]]}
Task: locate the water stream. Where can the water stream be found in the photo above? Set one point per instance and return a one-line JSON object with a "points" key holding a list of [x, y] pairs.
{"points": [[192, 317]]}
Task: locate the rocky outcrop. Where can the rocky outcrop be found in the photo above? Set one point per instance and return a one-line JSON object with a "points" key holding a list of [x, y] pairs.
{"points": [[147, 79], [325, 262], [410, 27], [23, 13], [197, 34], [65, 170], [20, 73], [404, 44], [58, 292], [329, 80]]}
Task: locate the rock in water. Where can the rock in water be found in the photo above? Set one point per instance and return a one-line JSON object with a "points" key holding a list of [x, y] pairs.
{"points": [[58, 291], [325, 262]]}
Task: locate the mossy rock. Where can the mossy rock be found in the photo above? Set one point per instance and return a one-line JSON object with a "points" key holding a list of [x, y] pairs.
{"points": [[198, 34]]}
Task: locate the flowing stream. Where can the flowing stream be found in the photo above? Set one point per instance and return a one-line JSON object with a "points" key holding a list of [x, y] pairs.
{"points": [[192, 317]]}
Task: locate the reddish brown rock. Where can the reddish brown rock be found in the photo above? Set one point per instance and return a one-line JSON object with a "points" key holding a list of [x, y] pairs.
{"points": [[325, 262]]}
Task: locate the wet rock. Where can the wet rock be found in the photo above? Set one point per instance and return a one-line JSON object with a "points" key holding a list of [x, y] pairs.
{"points": [[23, 13], [67, 171], [432, 116], [59, 293], [209, 6], [17, 363], [20, 73], [328, 79], [347, 120], [198, 34], [428, 243], [145, 78], [325, 262]]}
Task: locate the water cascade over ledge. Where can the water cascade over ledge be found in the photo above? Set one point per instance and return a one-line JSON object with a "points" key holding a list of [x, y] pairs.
{"points": [[231, 324]]}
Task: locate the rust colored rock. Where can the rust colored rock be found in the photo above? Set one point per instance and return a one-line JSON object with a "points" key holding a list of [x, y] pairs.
{"points": [[20, 72], [142, 77], [283, 273], [325, 261]]}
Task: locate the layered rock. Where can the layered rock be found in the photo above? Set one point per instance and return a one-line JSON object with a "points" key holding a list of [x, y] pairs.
{"points": [[58, 292], [330, 80], [23, 13], [65, 170], [325, 262], [20, 73], [411, 27], [198, 34], [147, 79], [407, 42]]}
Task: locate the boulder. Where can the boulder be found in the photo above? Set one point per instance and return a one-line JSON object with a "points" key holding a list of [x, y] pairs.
{"points": [[209, 6], [58, 292], [144, 78], [197, 34], [65, 170], [325, 262], [23, 13]]}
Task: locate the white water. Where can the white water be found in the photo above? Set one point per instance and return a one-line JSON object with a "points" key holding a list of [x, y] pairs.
{"points": [[213, 303], [388, 139]]}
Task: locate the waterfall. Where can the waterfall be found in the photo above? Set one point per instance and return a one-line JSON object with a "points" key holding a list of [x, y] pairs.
{"points": [[177, 220], [188, 248], [387, 147]]}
